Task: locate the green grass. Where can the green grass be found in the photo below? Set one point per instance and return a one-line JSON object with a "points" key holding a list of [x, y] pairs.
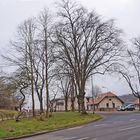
{"points": [[11, 128]]}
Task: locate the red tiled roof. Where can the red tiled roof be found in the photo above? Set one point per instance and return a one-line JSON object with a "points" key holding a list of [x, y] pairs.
{"points": [[100, 97]]}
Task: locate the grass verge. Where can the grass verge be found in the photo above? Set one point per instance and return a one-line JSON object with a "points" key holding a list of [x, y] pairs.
{"points": [[10, 128]]}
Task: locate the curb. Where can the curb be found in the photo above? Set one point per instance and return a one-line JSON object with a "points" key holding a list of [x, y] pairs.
{"points": [[49, 131]]}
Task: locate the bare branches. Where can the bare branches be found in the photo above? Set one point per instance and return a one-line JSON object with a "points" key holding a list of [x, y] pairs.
{"points": [[79, 43], [85, 43], [130, 68]]}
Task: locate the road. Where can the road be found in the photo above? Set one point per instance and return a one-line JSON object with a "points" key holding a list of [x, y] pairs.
{"points": [[114, 126]]}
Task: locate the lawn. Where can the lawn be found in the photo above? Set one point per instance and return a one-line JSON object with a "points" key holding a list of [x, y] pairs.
{"points": [[11, 128]]}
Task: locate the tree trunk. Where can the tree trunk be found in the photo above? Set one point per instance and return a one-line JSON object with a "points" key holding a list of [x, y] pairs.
{"points": [[72, 95], [83, 110], [46, 71], [47, 99], [83, 106], [66, 103], [33, 101], [72, 104], [32, 83], [23, 99], [32, 79], [82, 102], [41, 105], [79, 105]]}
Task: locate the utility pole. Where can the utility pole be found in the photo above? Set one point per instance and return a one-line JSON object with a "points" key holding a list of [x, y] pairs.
{"points": [[107, 97], [93, 108]]}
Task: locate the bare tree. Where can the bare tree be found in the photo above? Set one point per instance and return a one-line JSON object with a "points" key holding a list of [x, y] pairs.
{"points": [[33, 54], [39, 73], [22, 82], [12, 90], [85, 43], [8, 98], [65, 89], [45, 24], [22, 53], [130, 68]]}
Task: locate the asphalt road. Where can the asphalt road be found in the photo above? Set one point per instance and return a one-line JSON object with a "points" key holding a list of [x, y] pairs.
{"points": [[114, 126]]}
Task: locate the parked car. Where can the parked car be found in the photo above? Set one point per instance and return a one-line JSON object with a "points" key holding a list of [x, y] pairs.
{"points": [[126, 107]]}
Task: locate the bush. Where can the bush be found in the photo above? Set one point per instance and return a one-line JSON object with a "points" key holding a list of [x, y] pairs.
{"points": [[7, 114], [41, 117]]}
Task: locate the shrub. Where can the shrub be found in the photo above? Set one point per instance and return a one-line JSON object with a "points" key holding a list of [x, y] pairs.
{"points": [[7, 114]]}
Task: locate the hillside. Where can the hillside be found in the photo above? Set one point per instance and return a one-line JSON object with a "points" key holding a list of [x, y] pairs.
{"points": [[127, 98]]}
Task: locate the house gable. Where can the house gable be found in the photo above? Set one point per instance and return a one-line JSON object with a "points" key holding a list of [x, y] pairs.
{"points": [[103, 96], [105, 101], [110, 102]]}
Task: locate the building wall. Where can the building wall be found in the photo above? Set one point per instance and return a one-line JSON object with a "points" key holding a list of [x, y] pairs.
{"points": [[110, 101], [102, 105], [61, 107]]}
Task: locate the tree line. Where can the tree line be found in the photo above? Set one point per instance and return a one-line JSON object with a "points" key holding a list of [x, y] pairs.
{"points": [[60, 53]]}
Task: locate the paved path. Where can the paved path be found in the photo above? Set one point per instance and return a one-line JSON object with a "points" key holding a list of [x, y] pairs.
{"points": [[114, 126]]}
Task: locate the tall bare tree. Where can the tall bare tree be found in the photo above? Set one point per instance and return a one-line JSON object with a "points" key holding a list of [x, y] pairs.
{"points": [[33, 53], [85, 43], [22, 53], [39, 73], [130, 68], [45, 24]]}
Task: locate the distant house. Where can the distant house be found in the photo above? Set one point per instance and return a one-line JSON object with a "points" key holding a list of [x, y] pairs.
{"points": [[59, 104], [105, 102], [136, 103]]}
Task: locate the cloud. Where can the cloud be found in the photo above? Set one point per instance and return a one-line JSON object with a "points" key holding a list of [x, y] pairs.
{"points": [[126, 1], [30, 0]]}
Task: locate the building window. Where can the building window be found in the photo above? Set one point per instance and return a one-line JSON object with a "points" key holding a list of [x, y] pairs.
{"points": [[60, 103], [107, 105], [109, 99], [113, 105]]}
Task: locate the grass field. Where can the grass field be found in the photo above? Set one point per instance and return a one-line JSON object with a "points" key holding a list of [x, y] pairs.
{"points": [[11, 128]]}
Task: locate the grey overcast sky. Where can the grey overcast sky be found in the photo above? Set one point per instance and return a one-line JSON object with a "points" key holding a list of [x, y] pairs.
{"points": [[125, 12]]}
